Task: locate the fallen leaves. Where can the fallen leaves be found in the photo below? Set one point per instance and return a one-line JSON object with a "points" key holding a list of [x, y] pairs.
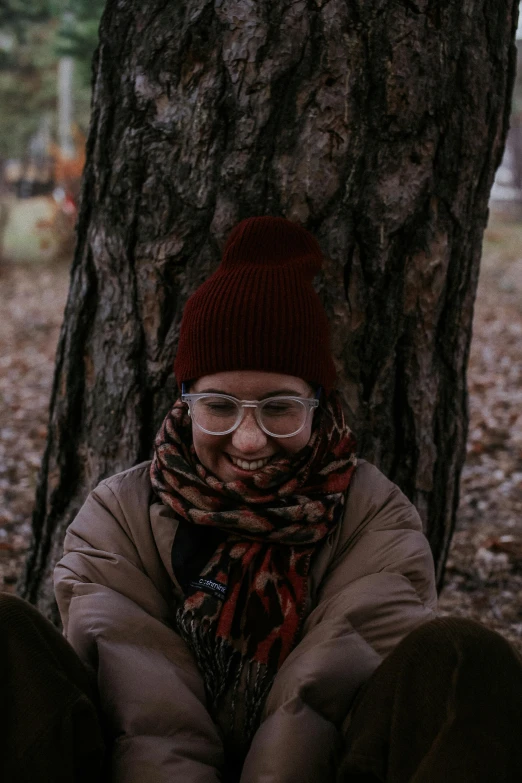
{"points": [[484, 568], [32, 299]]}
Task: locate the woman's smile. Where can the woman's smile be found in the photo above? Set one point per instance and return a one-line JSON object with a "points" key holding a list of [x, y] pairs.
{"points": [[249, 465]]}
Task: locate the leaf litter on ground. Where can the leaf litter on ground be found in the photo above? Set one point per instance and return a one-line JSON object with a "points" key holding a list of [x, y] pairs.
{"points": [[484, 568]]}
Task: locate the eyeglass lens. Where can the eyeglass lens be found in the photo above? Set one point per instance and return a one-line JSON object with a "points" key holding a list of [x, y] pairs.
{"points": [[278, 416]]}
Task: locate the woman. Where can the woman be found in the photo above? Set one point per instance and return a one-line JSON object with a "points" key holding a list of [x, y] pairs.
{"points": [[233, 596]]}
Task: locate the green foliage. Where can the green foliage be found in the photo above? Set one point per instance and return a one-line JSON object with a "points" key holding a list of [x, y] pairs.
{"points": [[33, 35], [78, 33], [15, 14], [27, 83]]}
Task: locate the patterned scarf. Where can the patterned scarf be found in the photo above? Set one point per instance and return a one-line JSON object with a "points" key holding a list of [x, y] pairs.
{"points": [[242, 616]]}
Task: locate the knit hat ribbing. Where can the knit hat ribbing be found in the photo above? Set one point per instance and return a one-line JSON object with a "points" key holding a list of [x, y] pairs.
{"points": [[259, 310]]}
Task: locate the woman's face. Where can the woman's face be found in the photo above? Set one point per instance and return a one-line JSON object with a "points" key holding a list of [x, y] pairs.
{"points": [[242, 452]]}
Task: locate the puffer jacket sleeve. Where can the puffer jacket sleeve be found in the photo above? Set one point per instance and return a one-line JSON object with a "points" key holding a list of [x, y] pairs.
{"points": [[113, 596], [379, 585]]}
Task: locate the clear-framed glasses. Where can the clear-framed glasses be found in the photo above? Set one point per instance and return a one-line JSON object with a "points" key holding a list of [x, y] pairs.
{"points": [[221, 414]]}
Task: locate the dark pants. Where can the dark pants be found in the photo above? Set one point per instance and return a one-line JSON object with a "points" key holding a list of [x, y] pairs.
{"points": [[50, 730], [444, 707]]}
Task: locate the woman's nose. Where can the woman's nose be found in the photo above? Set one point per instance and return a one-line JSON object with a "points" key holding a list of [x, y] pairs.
{"points": [[249, 437]]}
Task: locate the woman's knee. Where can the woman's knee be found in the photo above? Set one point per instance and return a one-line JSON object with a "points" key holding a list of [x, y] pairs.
{"points": [[447, 648], [475, 663], [14, 610], [468, 636], [24, 630]]}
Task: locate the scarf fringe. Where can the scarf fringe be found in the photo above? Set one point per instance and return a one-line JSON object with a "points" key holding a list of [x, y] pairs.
{"points": [[223, 669]]}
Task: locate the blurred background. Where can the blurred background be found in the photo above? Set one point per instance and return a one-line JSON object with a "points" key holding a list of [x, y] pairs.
{"points": [[46, 48]]}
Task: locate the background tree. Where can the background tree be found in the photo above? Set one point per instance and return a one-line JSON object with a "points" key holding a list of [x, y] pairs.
{"points": [[27, 72], [515, 135], [33, 34], [377, 125]]}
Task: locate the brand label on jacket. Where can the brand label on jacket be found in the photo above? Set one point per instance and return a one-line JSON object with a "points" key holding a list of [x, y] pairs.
{"points": [[216, 589]]}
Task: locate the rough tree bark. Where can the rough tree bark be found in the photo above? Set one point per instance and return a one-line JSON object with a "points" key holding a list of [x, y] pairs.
{"points": [[377, 125]]}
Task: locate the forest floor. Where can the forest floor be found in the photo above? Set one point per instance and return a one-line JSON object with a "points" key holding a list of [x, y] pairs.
{"points": [[484, 568]]}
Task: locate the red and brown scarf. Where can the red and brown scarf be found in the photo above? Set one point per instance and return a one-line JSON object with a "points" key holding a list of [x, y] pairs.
{"points": [[247, 606]]}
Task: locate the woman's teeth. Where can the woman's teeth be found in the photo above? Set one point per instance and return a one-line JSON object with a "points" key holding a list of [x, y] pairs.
{"points": [[256, 464]]}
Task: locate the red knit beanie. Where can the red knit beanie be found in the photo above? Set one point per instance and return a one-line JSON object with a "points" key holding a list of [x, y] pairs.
{"points": [[259, 310]]}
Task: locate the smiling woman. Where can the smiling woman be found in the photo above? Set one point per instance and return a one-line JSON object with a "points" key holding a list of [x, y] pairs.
{"points": [[256, 602]]}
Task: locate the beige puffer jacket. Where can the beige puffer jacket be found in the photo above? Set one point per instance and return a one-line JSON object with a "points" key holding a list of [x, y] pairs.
{"points": [[372, 582]]}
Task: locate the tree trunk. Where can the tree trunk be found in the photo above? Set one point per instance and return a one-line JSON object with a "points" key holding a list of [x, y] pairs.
{"points": [[377, 125], [515, 135]]}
